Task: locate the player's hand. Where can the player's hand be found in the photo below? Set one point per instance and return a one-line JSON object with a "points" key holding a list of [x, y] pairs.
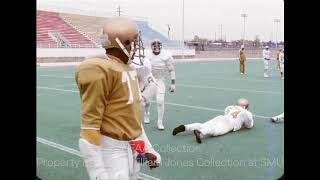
{"points": [[152, 160], [172, 88]]}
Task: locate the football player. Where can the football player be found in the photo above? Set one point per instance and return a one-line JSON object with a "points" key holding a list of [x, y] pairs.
{"points": [[281, 59], [278, 119], [242, 59], [161, 61], [278, 58], [266, 59], [111, 136], [235, 117]]}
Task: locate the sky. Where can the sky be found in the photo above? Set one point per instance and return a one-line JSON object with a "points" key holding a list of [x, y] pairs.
{"points": [[201, 17]]}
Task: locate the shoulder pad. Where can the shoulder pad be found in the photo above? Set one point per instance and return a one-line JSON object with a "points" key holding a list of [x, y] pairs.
{"points": [[88, 74]]}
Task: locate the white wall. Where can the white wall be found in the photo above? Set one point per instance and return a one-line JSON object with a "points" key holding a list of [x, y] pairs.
{"points": [[186, 52], [83, 52], [68, 52]]}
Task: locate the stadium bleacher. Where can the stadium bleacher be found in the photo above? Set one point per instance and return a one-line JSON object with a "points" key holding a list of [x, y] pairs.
{"points": [[83, 31], [52, 29], [89, 25]]}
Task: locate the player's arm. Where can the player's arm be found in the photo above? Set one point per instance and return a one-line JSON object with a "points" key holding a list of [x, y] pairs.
{"points": [[153, 157], [248, 122], [92, 84], [172, 74], [227, 110], [145, 150]]}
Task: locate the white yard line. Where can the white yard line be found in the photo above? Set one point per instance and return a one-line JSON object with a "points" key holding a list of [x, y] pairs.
{"points": [[193, 86], [173, 104], [228, 89], [208, 77]]}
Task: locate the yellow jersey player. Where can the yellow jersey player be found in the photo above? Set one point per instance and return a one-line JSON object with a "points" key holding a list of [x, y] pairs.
{"points": [[242, 59], [111, 128]]}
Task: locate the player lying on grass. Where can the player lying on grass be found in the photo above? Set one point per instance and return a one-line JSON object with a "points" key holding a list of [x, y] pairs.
{"points": [[235, 117]]}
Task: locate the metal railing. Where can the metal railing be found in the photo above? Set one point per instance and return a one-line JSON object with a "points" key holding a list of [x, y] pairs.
{"points": [[170, 45]]}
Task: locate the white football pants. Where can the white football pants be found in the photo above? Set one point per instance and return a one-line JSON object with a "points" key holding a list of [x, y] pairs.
{"points": [[119, 159], [266, 67], [266, 64], [160, 99], [157, 90], [147, 94], [215, 127]]}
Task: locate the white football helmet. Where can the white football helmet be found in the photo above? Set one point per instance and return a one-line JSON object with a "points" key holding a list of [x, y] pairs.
{"points": [[156, 46]]}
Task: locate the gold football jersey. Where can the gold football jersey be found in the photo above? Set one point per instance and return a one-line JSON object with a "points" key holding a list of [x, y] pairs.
{"points": [[110, 97], [242, 55]]}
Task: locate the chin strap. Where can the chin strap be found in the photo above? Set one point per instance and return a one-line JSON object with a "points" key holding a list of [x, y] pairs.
{"points": [[131, 54]]}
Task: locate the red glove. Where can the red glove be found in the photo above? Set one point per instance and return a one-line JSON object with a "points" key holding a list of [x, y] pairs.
{"points": [[137, 145]]}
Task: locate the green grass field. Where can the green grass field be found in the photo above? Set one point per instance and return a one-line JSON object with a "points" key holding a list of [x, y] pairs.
{"points": [[204, 89]]}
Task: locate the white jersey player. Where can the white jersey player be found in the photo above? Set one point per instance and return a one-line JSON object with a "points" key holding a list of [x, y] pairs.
{"points": [[161, 61], [281, 59], [278, 119], [266, 59], [235, 117]]}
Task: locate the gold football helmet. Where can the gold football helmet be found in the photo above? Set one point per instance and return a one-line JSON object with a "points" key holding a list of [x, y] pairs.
{"points": [[123, 33]]}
